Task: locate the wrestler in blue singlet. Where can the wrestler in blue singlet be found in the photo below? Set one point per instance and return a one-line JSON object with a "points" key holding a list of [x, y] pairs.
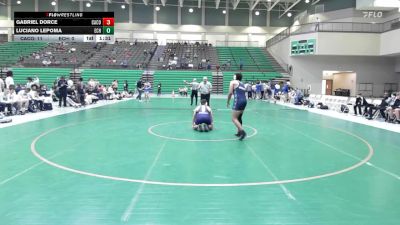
{"points": [[240, 101], [203, 115]]}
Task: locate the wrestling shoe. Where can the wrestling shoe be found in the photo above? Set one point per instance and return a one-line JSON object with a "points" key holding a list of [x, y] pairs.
{"points": [[242, 135]]}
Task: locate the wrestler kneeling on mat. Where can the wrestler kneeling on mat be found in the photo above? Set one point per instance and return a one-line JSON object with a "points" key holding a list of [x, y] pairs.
{"points": [[202, 117]]}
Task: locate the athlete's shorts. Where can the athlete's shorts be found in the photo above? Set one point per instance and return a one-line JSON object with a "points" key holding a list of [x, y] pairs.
{"points": [[239, 105], [203, 118]]}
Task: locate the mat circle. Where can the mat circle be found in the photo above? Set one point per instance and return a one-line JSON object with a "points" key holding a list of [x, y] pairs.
{"points": [[153, 182], [152, 132]]}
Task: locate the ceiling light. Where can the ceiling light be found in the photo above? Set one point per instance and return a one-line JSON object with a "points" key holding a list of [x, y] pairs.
{"points": [[190, 10], [289, 14], [224, 11], [257, 13], [307, 1], [158, 8], [122, 6], [19, 2], [88, 4], [53, 3]]}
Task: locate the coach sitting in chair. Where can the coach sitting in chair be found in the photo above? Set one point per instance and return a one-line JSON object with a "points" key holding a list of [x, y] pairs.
{"points": [[203, 117]]}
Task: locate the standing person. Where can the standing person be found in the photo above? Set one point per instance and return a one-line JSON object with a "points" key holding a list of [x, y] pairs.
{"points": [[317, 21], [139, 88], [241, 64], [238, 90], [80, 87], [126, 88], [194, 86], [2, 85], [159, 89], [205, 89], [249, 90], [62, 89], [147, 88], [9, 79]]}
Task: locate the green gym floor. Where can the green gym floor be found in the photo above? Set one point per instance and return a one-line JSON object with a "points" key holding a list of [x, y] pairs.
{"points": [[140, 163]]}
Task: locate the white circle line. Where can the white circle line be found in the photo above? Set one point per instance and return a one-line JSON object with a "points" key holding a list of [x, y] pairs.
{"points": [[150, 130], [365, 160]]}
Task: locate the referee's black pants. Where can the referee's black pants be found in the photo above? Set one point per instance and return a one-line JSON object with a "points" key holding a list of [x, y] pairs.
{"points": [[206, 97], [193, 94]]}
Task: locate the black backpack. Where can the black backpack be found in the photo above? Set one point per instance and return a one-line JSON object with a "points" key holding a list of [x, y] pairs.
{"points": [[344, 109]]}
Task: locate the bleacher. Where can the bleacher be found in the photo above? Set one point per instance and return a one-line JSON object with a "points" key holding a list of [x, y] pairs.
{"points": [[46, 76], [248, 76], [253, 59], [177, 55], [63, 55], [114, 56], [172, 80], [12, 52], [106, 76]]}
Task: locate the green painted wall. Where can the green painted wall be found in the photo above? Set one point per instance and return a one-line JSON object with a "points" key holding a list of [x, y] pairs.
{"points": [[239, 17], [142, 14], [120, 15], [3, 12], [96, 7], [260, 20], [214, 17], [27, 5], [191, 18], [68, 6], [167, 15]]}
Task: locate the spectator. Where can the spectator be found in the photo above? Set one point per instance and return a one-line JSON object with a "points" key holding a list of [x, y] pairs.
{"points": [[62, 89], [393, 111], [382, 107], [9, 79], [241, 64], [360, 101], [2, 85], [126, 86], [80, 88], [159, 89]]}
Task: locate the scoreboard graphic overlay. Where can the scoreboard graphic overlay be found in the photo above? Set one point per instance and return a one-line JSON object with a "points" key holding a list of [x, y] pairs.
{"points": [[64, 26]]}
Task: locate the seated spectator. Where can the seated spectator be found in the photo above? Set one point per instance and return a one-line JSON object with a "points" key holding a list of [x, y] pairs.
{"points": [[382, 107], [35, 98], [360, 101], [393, 111], [23, 100]]}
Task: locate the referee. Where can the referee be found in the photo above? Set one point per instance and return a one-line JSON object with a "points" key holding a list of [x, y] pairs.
{"points": [[194, 85], [205, 89]]}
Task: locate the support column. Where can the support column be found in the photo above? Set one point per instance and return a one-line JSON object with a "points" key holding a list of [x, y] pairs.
{"points": [[36, 5], [56, 6], [250, 17], [130, 7], [268, 18], [81, 6], [203, 12], [227, 13], [179, 15], [154, 12]]}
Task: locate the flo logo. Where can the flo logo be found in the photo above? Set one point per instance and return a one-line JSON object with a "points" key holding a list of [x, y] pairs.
{"points": [[373, 14]]}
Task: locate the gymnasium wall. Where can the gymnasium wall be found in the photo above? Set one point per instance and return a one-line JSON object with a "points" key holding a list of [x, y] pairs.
{"points": [[362, 44], [389, 43], [138, 21], [308, 70]]}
